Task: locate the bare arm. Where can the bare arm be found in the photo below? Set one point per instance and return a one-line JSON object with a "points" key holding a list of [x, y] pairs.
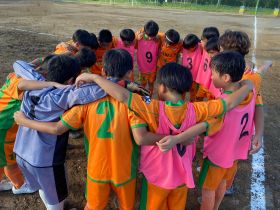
{"points": [[55, 128], [259, 126], [115, 90], [187, 137], [37, 85], [238, 96], [143, 137]]}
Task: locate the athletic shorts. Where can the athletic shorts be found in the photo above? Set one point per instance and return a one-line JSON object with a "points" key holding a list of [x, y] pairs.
{"points": [[51, 180], [212, 175], [147, 77], [97, 194], [7, 141], [154, 197]]}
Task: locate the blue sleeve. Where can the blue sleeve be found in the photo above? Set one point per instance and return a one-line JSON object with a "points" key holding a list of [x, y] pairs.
{"points": [[27, 71]]}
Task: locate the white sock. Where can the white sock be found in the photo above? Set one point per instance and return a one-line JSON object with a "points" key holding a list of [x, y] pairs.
{"points": [[59, 206]]}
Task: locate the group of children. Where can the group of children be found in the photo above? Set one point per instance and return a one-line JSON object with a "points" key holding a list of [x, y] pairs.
{"points": [[224, 96]]}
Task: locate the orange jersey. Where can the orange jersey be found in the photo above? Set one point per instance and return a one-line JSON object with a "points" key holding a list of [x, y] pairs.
{"points": [[175, 112], [112, 153], [168, 53], [61, 48], [10, 101], [99, 52]]}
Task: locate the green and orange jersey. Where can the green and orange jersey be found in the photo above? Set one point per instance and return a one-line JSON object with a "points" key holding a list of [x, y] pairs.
{"points": [[149, 111], [10, 101], [168, 53], [112, 152], [99, 52], [62, 49]]}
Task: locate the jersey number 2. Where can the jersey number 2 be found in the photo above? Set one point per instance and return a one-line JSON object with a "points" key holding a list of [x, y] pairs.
{"points": [[101, 109], [243, 132]]}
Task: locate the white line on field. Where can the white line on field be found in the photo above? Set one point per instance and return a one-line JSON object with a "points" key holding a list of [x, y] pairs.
{"points": [[258, 173], [29, 31]]}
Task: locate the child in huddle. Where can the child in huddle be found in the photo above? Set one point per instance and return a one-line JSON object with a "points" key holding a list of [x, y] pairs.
{"points": [[81, 38], [10, 102], [106, 42], [191, 58], [212, 48], [147, 45], [107, 124], [171, 46], [220, 156], [127, 42], [204, 71], [165, 186]]}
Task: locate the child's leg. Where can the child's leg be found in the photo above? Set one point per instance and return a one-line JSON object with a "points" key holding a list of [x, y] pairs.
{"points": [[151, 81], [153, 197], [219, 194], [14, 174], [97, 195], [126, 195], [143, 79], [59, 206], [208, 199], [177, 198]]}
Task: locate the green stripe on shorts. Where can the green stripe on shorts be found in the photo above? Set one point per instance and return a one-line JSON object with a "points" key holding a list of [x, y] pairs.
{"points": [[204, 170], [3, 160], [144, 194]]}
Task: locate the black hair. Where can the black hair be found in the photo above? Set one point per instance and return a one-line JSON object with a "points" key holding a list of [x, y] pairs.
{"points": [[117, 62], [172, 36], [86, 57], [93, 41], [190, 41], [43, 67], [127, 35], [83, 37], [175, 77], [151, 28], [105, 36], [210, 32], [212, 44], [61, 68], [229, 62]]}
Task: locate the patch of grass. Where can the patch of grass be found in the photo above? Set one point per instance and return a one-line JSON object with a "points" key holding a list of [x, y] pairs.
{"points": [[183, 5]]}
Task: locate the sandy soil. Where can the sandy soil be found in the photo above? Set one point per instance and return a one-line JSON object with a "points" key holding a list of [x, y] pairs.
{"points": [[21, 21]]}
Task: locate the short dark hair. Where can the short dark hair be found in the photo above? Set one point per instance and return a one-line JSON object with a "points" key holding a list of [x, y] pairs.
{"points": [[61, 68], [212, 44], [127, 35], [172, 36], [117, 62], [83, 37], [210, 32], [190, 41], [229, 62], [105, 36], [93, 41], [235, 40], [175, 77], [151, 28], [86, 57]]}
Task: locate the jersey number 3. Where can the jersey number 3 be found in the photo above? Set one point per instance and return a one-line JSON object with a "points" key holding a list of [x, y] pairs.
{"points": [[103, 131]]}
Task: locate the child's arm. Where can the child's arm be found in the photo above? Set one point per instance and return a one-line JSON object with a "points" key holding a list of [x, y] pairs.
{"points": [[143, 137], [55, 128], [187, 137], [259, 126], [115, 90], [37, 85], [237, 96]]}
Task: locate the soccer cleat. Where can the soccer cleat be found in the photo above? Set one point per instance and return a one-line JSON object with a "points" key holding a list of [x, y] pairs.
{"points": [[24, 189], [5, 185]]}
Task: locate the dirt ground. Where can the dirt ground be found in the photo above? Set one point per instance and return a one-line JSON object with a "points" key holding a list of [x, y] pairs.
{"points": [[22, 21]]}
